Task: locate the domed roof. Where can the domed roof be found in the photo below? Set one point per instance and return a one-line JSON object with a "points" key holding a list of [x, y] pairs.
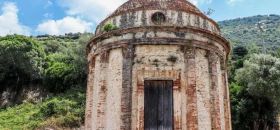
{"points": [[140, 20], [146, 5], [134, 5]]}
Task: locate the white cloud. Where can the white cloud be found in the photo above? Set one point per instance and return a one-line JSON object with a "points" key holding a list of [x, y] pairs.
{"points": [[48, 4], [93, 10], [197, 2], [233, 2], [48, 15], [66, 25], [96, 10], [9, 22]]}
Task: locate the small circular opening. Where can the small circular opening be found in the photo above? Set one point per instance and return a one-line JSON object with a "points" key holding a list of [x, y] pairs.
{"points": [[158, 18]]}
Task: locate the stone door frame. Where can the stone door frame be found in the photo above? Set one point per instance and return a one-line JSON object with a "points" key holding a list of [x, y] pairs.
{"points": [[172, 75]]}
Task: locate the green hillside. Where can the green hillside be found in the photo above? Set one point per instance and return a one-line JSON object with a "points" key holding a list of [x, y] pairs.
{"points": [[254, 61], [244, 31]]}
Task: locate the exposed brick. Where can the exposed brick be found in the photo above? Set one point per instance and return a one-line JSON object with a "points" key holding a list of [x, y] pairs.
{"points": [[215, 108], [89, 96], [102, 97], [139, 50], [126, 97], [192, 119]]}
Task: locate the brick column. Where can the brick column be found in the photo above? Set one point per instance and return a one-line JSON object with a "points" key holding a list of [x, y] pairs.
{"points": [[104, 59], [214, 94], [192, 119], [227, 101], [89, 95], [126, 96]]}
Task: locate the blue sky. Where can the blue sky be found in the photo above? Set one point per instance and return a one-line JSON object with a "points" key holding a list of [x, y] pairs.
{"points": [[56, 17]]}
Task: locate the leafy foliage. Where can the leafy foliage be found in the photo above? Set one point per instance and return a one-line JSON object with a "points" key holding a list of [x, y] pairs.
{"points": [[254, 103], [254, 93], [109, 27], [59, 64], [21, 58], [58, 76], [261, 75], [66, 66]]}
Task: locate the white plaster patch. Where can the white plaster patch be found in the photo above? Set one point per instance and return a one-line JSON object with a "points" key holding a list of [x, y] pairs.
{"points": [[114, 90], [203, 90], [96, 92]]}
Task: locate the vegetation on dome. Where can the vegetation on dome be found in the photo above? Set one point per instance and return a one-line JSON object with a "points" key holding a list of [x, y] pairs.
{"points": [[109, 27]]}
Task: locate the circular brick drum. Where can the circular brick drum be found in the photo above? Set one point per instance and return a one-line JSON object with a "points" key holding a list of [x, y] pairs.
{"points": [[170, 43]]}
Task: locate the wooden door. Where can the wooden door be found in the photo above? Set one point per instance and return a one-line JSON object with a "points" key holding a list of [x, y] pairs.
{"points": [[158, 105]]}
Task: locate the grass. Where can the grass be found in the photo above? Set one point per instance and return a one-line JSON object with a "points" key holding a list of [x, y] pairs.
{"points": [[61, 111], [19, 117]]}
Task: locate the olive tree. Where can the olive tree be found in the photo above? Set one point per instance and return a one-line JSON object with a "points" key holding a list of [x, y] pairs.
{"points": [[261, 76], [260, 81]]}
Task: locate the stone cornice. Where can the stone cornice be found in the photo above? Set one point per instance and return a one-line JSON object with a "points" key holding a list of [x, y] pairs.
{"points": [[205, 33]]}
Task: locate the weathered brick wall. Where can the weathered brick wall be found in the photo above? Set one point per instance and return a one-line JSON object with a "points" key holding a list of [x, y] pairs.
{"points": [[104, 91], [187, 49], [198, 87], [201, 94], [151, 63], [95, 96], [203, 90], [221, 94], [89, 95], [114, 79]]}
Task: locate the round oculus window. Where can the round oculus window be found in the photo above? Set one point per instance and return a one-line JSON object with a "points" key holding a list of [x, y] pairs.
{"points": [[158, 18]]}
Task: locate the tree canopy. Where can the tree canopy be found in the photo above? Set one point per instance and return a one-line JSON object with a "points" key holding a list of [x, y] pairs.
{"points": [[261, 75], [22, 59]]}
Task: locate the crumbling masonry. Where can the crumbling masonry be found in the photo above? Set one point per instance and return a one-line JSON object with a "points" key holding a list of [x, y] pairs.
{"points": [[158, 40]]}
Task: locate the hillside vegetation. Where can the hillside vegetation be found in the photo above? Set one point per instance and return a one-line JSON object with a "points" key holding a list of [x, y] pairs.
{"points": [[55, 65], [254, 71], [59, 111], [245, 31]]}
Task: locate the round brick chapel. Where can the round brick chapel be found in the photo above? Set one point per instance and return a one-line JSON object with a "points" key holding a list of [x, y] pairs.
{"points": [[158, 65]]}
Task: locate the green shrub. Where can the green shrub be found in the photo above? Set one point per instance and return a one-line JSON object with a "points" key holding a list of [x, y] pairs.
{"points": [[109, 27], [67, 67], [64, 110], [58, 77], [56, 107]]}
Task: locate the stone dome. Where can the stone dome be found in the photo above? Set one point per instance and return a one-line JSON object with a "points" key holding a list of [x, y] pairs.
{"points": [[132, 14], [133, 5]]}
